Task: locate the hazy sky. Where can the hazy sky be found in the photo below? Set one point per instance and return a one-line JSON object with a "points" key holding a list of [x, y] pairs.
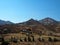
{"points": [[22, 10]]}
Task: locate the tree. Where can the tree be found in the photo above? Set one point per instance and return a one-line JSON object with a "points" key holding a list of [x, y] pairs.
{"points": [[33, 38], [43, 40], [25, 39], [21, 40], [40, 33], [39, 39], [50, 39], [14, 40], [29, 39]]}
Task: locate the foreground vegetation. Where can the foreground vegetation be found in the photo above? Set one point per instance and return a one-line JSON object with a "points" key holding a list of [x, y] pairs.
{"points": [[23, 39]]}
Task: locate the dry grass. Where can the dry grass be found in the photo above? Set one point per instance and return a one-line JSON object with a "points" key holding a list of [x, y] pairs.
{"points": [[36, 43], [36, 36]]}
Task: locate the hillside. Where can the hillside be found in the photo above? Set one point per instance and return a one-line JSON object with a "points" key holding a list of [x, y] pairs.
{"points": [[44, 26]]}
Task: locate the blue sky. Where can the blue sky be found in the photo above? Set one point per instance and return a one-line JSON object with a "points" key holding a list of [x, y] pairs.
{"points": [[22, 10]]}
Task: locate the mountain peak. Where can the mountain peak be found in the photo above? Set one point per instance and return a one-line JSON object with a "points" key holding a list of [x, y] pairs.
{"points": [[48, 21], [31, 22], [31, 19], [48, 18]]}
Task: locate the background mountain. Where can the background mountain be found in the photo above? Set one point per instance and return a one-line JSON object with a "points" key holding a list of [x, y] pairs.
{"points": [[30, 22], [50, 24], [48, 21], [2, 22], [46, 26]]}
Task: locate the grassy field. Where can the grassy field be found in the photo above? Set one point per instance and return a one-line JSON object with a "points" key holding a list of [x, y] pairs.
{"points": [[19, 36], [35, 43]]}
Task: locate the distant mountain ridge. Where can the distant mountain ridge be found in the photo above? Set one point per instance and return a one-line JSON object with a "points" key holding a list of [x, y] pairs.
{"points": [[2, 22], [45, 21], [46, 24]]}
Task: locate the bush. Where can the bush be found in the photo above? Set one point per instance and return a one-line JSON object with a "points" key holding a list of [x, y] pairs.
{"points": [[39, 39], [5, 43], [42, 40], [50, 39], [1, 39], [25, 39], [21, 40], [29, 39], [55, 40], [33, 38], [14, 40]]}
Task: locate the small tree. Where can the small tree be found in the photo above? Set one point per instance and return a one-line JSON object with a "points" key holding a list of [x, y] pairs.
{"points": [[29, 39], [39, 39], [50, 39], [25, 39], [33, 38], [43, 40], [40, 33], [21, 40], [14, 40]]}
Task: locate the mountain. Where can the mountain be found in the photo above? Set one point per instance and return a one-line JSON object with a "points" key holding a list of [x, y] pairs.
{"points": [[2, 22], [48, 21], [50, 24], [46, 25], [34, 25], [30, 22]]}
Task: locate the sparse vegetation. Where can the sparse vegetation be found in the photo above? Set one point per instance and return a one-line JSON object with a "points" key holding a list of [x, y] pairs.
{"points": [[31, 32]]}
